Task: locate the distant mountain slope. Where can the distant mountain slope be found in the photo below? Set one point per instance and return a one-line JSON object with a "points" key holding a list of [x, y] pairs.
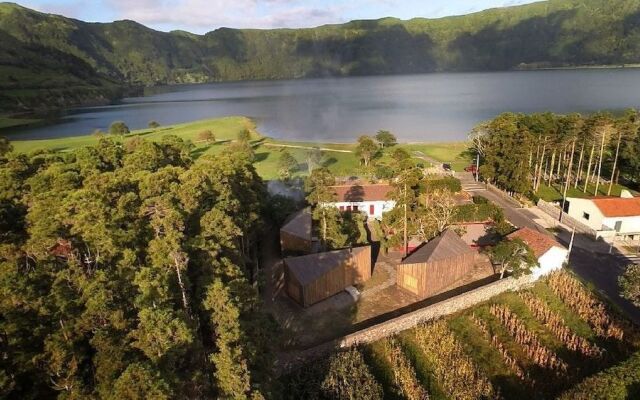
{"points": [[52, 60]]}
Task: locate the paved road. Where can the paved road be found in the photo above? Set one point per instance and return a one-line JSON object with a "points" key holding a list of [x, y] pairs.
{"points": [[600, 269]]}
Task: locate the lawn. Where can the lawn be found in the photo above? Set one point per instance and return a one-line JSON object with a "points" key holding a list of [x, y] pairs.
{"points": [[554, 192], [11, 122], [340, 158]]}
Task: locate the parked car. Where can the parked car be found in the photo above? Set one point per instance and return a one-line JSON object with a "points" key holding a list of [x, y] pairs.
{"points": [[471, 168]]}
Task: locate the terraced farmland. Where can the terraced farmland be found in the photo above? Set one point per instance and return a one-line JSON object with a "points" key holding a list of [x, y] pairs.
{"points": [[556, 339]]}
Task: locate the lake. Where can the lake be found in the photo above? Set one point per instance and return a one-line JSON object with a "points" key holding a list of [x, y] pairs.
{"points": [[426, 107]]}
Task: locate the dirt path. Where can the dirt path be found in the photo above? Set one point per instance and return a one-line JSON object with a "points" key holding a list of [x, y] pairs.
{"points": [[292, 146]]}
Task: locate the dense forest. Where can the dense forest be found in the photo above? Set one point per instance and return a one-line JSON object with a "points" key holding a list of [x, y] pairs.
{"points": [[127, 271], [524, 154], [52, 60]]}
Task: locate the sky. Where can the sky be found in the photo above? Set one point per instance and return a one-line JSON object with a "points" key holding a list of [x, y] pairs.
{"points": [[200, 16]]}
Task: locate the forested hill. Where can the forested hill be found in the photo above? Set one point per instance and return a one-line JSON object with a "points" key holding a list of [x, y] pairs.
{"points": [[74, 61]]}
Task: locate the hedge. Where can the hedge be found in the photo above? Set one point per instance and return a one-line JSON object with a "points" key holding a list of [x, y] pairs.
{"points": [[619, 382]]}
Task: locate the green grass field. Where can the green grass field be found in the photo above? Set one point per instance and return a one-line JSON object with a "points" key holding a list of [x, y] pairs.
{"points": [[554, 192], [10, 122], [338, 157]]}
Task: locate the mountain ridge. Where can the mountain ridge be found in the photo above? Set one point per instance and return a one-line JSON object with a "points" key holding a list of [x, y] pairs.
{"points": [[84, 60]]}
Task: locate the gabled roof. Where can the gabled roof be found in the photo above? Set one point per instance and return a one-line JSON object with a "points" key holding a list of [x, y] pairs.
{"points": [[447, 245], [539, 242], [309, 268], [617, 206], [299, 224], [357, 193]]}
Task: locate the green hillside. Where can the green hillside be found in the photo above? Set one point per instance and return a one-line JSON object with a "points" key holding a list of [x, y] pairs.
{"points": [[50, 60]]}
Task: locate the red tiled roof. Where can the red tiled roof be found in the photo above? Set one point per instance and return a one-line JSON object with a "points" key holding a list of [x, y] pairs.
{"points": [[617, 206], [358, 193], [539, 242]]}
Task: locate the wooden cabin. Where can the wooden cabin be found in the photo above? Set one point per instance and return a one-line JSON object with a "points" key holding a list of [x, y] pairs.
{"points": [[295, 235], [435, 265], [315, 277]]}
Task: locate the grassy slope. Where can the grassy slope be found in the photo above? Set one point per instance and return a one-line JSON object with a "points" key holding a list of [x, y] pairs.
{"points": [[341, 162]]}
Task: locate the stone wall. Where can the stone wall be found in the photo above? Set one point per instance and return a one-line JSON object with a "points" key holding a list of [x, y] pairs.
{"points": [[446, 307], [408, 321]]}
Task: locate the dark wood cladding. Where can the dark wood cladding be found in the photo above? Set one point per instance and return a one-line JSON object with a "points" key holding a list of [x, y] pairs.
{"points": [[428, 278], [293, 244], [315, 277]]}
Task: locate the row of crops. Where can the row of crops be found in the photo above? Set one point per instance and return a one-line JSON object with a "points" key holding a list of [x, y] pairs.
{"points": [[537, 343]]}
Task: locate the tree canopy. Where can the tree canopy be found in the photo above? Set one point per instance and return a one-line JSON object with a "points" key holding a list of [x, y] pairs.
{"points": [[127, 272]]}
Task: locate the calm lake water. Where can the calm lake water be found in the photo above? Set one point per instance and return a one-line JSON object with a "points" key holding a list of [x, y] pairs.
{"points": [[428, 107]]}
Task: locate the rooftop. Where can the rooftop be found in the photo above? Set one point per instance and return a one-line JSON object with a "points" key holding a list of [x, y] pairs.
{"points": [[617, 206], [539, 242], [308, 268], [447, 245], [299, 224], [357, 193]]}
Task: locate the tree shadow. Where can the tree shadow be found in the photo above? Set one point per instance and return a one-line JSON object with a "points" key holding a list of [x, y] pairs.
{"points": [[261, 157], [380, 48], [355, 194], [329, 161], [527, 42]]}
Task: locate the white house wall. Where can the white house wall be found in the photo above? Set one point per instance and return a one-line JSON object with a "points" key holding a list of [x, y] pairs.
{"points": [[629, 224], [550, 261], [579, 206], [379, 207]]}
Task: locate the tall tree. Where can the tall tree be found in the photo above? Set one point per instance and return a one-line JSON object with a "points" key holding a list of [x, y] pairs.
{"points": [[319, 192], [513, 256], [386, 139], [366, 149]]}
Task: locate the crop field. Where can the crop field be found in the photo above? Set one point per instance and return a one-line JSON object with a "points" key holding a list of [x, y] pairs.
{"points": [[554, 340]]}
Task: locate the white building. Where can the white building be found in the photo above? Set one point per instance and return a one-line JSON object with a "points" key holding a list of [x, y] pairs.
{"points": [[607, 216], [372, 200], [550, 254]]}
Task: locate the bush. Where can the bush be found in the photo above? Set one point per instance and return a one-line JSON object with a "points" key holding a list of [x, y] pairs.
{"points": [[447, 183], [478, 213], [206, 136], [619, 382], [480, 200], [154, 124], [118, 128], [344, 375]]}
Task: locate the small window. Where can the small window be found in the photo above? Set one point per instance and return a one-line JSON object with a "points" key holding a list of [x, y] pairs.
{"points": [[585, 215], [348, 208], [341, 208]]}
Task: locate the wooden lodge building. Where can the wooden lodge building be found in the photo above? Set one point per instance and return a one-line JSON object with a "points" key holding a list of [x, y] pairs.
{"points": [[435, 265], [315, 277], [296, 235]]}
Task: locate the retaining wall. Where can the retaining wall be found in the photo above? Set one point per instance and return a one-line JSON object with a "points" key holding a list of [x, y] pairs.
{"points": [[409, 320]]}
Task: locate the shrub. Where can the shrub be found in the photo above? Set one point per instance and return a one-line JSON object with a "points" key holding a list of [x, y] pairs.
{"points": [[478, 213], [206, 136], [118, 128], [343, 375], [616, 383], [449, 183], [153, 124], [480, 200]]}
